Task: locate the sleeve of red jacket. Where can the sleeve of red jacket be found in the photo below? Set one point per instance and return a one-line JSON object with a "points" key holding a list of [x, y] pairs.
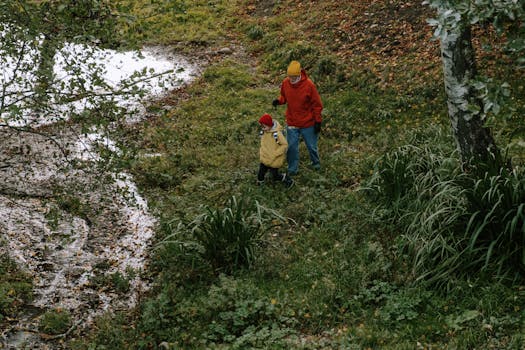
{"points": [[282, 98], [317, 105]]}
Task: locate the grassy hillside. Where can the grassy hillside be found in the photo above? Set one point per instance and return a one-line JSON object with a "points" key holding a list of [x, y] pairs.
{"points": [[328, 269]]}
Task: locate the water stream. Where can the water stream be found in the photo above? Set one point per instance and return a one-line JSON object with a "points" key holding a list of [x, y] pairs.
{"points": [[85, 245]]}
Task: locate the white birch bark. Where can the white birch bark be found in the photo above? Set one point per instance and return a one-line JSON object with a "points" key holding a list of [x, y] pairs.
{"points": [[474, 141]]}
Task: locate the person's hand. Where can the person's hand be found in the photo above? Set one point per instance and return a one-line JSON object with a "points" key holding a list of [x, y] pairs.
{"points": [[317, 127], [275, 102]]}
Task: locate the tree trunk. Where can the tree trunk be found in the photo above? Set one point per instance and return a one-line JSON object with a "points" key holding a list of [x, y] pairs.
{"points": [[475, 142]]}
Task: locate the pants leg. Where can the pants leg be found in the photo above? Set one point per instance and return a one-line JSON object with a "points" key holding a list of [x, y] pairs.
{"points": [[262, 172], [292, 155], [275, 174], [310, 139]]}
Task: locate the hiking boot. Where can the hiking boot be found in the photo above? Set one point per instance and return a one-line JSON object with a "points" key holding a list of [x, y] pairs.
{"points": [[288, 181]]}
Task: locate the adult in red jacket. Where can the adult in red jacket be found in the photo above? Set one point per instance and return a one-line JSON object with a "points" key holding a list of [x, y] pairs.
{"points": [[303, 115]]}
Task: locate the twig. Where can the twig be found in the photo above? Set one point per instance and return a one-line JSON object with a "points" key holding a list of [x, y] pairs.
{"points": [[63, 335]]}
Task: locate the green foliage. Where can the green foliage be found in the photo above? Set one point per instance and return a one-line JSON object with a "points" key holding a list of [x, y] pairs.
{"points": [[495, 231], [331, 276], [233, 312], [410, 171], [116, 281], [87, 20], [169, 21], [15, 288], [228, 77], [245, 318], [73, 205], [255, 32], [178, 257], [55, 322], [326, 66], [283, 53], [112, 334], [404, 305], [456, 223], [230, 237], [160, 172], [35, 32]]}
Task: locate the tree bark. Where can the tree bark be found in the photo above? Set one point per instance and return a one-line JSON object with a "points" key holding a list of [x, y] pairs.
{"points": [[474, 141]]}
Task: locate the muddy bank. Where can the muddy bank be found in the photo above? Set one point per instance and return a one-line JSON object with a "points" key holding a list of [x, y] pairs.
{"points": [[80, 229]]}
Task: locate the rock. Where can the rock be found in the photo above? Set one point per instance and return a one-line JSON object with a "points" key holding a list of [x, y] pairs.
{"points": [[225, 51], [90, 299], [75, 272], [46, 266]]}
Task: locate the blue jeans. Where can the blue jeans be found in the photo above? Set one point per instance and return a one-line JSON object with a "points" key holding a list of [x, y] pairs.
{"points": [[310, 139]]}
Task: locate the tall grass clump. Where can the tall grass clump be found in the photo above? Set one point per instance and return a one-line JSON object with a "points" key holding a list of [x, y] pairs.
{"points": [[495, 232], [407, 175], [228, 238], [454, 224]]}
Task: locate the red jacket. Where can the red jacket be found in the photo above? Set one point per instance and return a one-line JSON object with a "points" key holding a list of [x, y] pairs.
{"points": [[304, 103]]}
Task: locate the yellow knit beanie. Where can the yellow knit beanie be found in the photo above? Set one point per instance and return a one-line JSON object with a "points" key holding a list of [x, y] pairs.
{"points": [[294, 68]]}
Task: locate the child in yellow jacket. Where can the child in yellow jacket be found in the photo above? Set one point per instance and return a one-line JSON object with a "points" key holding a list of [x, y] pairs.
{"points": [[272, 152]]}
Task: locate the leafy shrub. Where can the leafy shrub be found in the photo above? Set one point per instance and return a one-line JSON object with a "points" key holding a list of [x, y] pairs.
{"points": [[157, 314], [403, 305], [241, 313]]}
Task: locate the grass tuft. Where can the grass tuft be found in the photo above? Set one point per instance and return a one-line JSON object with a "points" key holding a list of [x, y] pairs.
{"points": [[456, 224]]}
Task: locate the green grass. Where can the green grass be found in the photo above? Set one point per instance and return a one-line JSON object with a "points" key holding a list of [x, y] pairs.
{"points": [[15, 289], [330, 271], [55, 322], [171, 22], [455, 223]]}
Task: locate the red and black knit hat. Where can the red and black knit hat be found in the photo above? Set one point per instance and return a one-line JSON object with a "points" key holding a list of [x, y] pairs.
{"points": [[266, 119]]}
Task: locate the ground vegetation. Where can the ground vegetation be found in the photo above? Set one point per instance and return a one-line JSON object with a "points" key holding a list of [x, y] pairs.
{"points": [[391, 245]]}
